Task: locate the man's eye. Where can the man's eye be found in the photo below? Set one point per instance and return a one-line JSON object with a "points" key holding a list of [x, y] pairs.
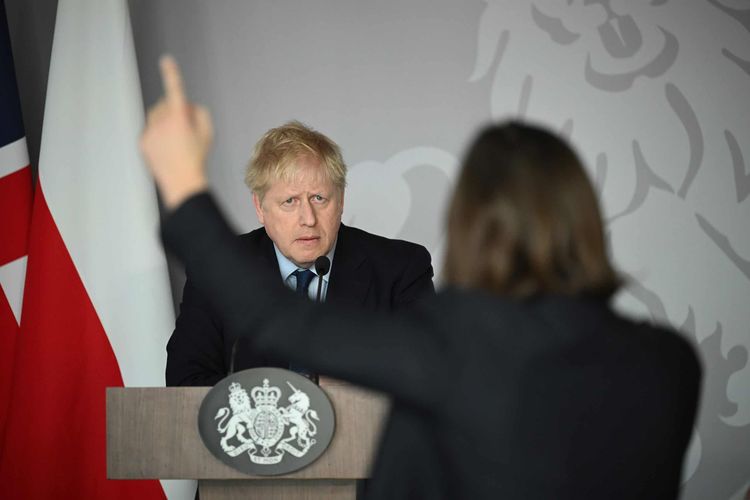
{"points": [[288, 201], [318, 198]]}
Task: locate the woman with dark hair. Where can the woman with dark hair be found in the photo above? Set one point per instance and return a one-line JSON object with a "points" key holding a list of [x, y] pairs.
{"points": [[524, 219], [518, 379]]}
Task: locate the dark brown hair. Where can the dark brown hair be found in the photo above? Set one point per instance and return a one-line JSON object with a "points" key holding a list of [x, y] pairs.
{"points": [[524, 219]]}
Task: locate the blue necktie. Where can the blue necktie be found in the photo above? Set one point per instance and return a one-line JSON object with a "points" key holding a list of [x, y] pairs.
{"points": [[304, 277]]}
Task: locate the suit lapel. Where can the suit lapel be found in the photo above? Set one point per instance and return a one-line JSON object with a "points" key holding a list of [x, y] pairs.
{"points": [[352, 273], [267, 256]]}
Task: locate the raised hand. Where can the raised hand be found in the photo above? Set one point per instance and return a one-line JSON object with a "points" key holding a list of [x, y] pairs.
{"points": [[176, 139]]}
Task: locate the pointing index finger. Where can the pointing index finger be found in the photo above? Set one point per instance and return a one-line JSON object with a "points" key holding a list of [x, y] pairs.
{"points": [[172, 80]]}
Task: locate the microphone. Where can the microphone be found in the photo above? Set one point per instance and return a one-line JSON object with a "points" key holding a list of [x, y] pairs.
{"points": [[322, 266], [232, 356]]}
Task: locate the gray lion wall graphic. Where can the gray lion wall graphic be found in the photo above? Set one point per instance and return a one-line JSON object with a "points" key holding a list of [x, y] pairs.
{"points": [[266, 421], [416, 181], [656, 96]]}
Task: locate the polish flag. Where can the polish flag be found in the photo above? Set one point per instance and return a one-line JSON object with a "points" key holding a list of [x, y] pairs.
{"points": [[97, 310], [15, 211]]}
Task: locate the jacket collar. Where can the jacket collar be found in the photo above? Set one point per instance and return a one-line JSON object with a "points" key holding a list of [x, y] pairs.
{"points": [[352, 275]]}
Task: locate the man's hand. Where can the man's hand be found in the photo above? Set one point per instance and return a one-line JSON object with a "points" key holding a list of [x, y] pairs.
{"points": [[176, 140]]}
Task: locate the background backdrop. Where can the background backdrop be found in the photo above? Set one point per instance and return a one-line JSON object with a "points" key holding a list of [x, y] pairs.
{"points": [[655, 94]]}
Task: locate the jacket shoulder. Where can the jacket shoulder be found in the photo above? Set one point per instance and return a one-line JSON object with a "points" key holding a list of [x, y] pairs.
{"points": [[672, 346], [255, 235], [373, 243]]}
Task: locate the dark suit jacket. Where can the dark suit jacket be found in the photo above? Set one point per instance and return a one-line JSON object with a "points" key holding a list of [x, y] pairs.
{"points": [[553, 397], [372, 272]]}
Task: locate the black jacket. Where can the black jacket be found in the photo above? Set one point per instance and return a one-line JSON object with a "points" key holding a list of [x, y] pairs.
{"points": [[369, 271], [554, 397]]}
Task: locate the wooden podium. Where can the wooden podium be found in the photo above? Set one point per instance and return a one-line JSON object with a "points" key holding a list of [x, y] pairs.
{"points": [[152, 433]]}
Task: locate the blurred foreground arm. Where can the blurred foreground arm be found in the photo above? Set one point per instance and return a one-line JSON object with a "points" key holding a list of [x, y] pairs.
{"points": [[176, 140]]}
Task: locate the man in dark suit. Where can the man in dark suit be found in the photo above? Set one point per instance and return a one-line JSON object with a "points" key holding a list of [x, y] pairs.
{"points": [[297, 177]]}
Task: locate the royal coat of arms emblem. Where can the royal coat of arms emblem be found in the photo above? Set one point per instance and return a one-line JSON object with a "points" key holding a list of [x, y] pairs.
{"points": [[259, 429], [276, 419]]}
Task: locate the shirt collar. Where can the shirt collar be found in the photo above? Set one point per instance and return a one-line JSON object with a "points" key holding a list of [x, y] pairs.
{"points": [[287, 267]]}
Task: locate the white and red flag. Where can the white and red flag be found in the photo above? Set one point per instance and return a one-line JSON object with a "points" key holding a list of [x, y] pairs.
{"points": [[15, 212], [97, 309]]}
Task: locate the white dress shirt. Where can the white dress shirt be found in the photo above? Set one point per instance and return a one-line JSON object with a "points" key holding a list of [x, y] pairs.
{"points": [[287, 268]]}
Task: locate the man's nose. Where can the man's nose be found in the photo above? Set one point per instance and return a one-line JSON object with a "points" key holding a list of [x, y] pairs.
{"points": [[307, 214]]}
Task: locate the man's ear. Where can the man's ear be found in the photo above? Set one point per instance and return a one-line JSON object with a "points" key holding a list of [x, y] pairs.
{"points": [[258, 208]]}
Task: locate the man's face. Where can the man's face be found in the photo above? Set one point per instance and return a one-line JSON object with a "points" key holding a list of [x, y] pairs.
{"points": [[302, 216]]}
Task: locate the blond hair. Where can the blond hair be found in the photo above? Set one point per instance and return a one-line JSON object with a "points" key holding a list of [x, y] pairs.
{"points": [[276, 153]]}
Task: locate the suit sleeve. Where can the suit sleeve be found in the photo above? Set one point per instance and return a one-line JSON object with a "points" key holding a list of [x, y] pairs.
{"points": [[195, 350], [400, 355]]}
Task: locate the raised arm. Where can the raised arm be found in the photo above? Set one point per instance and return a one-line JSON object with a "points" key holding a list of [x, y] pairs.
{"points": [[176, 140], [401, 354]]}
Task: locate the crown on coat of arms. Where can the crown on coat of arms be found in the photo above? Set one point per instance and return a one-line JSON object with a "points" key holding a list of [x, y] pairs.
{"points": [[265, 396]]}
